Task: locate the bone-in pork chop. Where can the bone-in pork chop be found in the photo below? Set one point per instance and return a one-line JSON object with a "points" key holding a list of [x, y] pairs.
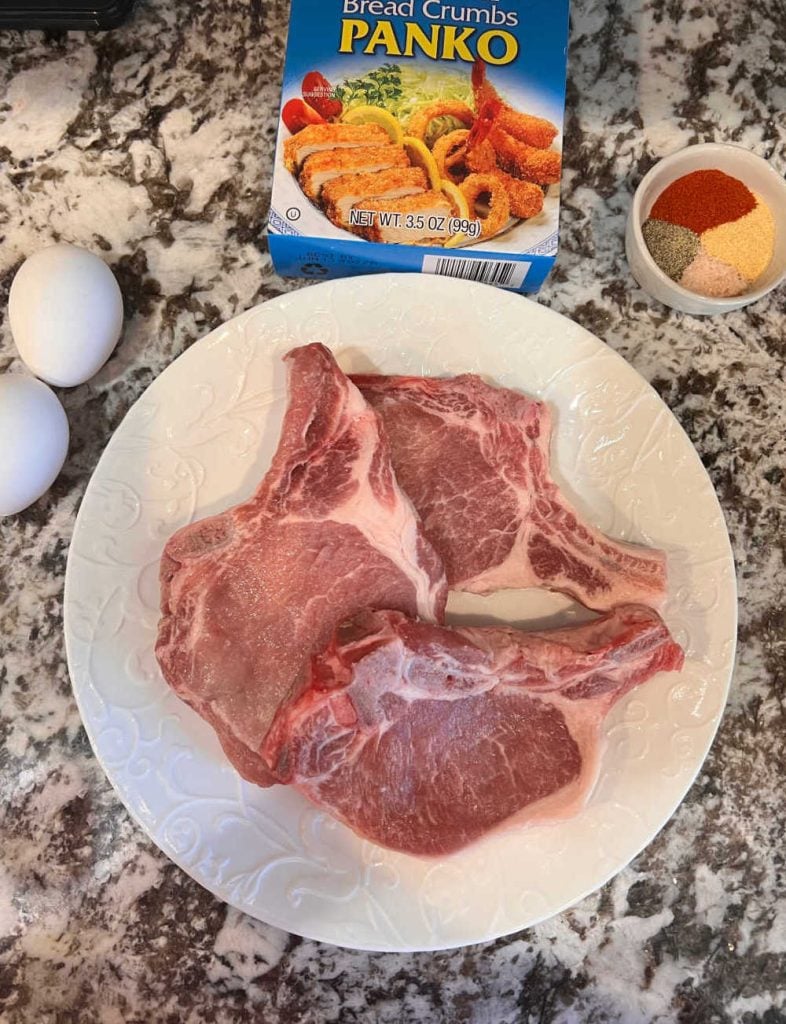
{"points": [[474, 459], [247, 596], [422, 738]]}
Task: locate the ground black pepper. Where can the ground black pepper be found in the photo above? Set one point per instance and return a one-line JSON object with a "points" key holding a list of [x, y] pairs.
{"points": [[672, 247]]}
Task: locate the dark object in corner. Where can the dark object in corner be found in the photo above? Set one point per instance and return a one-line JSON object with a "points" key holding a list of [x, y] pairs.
{"points": [[78, 14]]}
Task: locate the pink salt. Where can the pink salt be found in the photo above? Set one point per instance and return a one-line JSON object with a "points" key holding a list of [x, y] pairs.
{"points": [[706, 275]]}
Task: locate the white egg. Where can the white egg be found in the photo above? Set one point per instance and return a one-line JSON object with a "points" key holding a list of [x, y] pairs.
{"points": [[33, 441], [66, 314]]}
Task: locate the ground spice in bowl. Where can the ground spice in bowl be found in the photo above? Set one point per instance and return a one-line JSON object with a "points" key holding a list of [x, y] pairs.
{"points": [[710, 233]]}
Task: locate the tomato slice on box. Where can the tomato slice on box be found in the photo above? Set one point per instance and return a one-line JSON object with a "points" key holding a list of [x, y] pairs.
{"points": [[297, 114], [318, 93]]}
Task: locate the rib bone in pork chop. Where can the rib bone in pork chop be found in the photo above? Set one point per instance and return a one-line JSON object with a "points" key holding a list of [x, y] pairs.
{"points": [[474, 459], [423, 738], [247, 596]]}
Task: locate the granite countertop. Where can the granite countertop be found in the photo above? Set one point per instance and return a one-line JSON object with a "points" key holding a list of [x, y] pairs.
{"points": [[153, 145]]}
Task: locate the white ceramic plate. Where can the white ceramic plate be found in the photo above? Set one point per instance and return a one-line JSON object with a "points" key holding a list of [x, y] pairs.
{"points": [[201, 438]]}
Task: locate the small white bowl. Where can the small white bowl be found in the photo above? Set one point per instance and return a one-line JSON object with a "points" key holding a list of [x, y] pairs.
{"points": [[756, 173]]}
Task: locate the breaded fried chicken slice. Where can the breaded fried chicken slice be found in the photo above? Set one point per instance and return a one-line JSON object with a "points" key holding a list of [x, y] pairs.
{"points": [[341, 194], [319, 137], [433, 207], [320, 168]]}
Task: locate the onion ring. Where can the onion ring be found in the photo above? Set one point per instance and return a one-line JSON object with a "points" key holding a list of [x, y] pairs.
{"points": [[455, 160], [421, 119], [498, 216], [449, 152]]}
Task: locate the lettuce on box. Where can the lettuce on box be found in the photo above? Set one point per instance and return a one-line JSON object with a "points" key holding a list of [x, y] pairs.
{"points": [[421, 136]]}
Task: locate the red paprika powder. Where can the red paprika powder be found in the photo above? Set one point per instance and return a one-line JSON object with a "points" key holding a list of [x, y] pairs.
{"points": [[702, 200]]}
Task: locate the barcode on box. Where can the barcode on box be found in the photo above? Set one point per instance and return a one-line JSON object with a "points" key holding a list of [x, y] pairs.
{"points": [[502, 273]]}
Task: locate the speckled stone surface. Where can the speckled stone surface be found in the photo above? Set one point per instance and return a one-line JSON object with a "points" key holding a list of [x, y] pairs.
{"points": [[153, 145]]}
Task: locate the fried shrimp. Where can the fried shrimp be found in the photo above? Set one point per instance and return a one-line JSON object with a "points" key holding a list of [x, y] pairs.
{"points": [[480, 155], [477, 185], [481, 158], [421, 119], [534, 131], [462, 152], [522, 160], [543, 166], [525, 198], [482, 89], [455, 160]]}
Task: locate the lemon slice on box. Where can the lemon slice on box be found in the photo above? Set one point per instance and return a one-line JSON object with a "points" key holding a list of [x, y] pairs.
{"points": [[457, 197], [456, 241], [420, 156], [461, 206], [376, 115]]}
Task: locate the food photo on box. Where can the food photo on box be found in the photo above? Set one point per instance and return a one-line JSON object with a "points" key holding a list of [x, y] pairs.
{"points": [[392, 481], [432, 128]]}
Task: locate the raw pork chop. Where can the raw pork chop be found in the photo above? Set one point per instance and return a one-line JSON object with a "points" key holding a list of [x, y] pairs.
{"points": [[422, 738], [474, 459], [247, 596]]}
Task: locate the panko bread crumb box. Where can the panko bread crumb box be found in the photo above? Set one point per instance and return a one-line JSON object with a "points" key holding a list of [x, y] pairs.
{"points": [[421, 136]]}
